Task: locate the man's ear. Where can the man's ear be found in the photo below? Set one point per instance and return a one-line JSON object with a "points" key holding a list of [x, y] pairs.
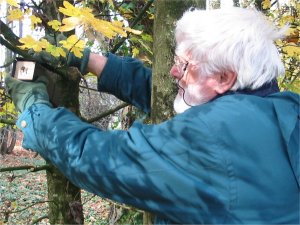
{"points": [[225, 81]]}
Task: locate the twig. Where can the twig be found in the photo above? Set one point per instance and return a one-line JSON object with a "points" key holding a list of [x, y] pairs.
{"points": [[26, 167], [137, 19], [106, 113], [88, 88], [7, 64], [89, 199], [39, 219], [8, 122], [21, 210]]}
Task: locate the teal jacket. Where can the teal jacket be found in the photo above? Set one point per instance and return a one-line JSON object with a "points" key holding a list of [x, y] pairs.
{"points": [[232, 160]]}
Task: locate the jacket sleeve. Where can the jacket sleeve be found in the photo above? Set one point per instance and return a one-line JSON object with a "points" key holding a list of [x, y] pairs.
{"points": [[128, 79], [150, 167]]}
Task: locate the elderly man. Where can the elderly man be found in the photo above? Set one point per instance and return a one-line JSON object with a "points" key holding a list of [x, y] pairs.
{"points": [[231, 155]]}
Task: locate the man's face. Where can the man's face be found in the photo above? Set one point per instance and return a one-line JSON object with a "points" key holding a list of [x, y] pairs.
{"points": [[193, 89]]}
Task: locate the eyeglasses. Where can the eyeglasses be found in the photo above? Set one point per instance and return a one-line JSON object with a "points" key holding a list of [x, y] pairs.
{"points": [[181, 64]]}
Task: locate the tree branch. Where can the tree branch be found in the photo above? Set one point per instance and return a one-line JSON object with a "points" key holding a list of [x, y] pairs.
{"points": [[11, 41], [9, 34], [106, 113], [7, 64], [26, 167], [8, 122], [39, 219], [136, 20], [27, 207]]}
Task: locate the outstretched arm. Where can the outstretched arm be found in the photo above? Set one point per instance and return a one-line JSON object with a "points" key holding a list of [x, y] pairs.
{"points": [[125, 77]]}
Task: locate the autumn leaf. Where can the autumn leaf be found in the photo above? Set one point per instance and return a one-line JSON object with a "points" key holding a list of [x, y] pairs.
{"points": [[84, 16], [266, 4], [138, 32], [73, 44], [44, 43], [14, 204], [27, 12], [28, 43], [15, 14], [105, 28], [34, 21], [11, 2], [135, 52], [292, 50], [69, 9], [70, 23], [55, 51], [55, 24]]}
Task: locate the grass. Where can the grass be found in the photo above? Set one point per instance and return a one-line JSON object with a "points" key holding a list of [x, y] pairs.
{"points": [[23, 194]]}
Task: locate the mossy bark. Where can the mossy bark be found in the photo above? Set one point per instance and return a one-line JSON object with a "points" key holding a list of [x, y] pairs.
{"points": [[64, 198], [167, 12]]}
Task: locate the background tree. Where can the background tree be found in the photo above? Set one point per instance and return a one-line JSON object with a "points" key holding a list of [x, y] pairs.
{"points": [[167, 12]]}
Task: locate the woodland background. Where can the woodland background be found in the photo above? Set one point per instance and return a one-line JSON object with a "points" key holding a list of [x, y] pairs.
{"points": [[30, 189]]}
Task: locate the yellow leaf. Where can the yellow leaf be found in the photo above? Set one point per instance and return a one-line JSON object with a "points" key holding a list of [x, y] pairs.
{"points": [[138, 32], [70, 23], [117, 23], [27, 11], [287, 19], [266, 4], [73, 44], [34, 21], [292, 50], [104, 27], [119, 30], [77, 52], [15, 14], [55, 24], [61, 52], [44, 43], [69, 9], [14, 205], [28, 43], [135, 51], [52, 50], [111, 3], [291, 31], [12, 3]]}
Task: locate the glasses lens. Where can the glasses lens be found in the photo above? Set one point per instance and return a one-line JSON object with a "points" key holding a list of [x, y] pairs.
{"points": [[180, 64]]}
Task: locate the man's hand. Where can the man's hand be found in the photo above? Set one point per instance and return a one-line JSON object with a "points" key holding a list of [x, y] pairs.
{"points": [[24, 94]]}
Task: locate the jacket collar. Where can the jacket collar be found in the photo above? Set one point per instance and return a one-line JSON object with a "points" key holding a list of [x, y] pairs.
{"points": [[265, 90]]}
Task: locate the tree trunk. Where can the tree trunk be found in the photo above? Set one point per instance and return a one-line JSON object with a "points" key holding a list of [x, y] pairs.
{"points": [[167, 12], [65, 199]]}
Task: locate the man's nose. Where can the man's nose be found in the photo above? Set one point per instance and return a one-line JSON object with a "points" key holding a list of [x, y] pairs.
{"points": [[174, 72]]}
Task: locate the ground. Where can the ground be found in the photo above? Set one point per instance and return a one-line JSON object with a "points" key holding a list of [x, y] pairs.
{"points": [[23, 194]]}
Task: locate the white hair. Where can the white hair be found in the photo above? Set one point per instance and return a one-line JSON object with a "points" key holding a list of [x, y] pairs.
{"points": [[235, 39]]}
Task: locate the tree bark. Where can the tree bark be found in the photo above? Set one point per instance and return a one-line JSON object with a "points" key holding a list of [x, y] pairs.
{"points": [[64, 198], [167, 12]]}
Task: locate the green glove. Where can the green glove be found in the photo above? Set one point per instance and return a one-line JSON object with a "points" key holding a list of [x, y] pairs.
{"points": [[24, 94], [80, 63]]}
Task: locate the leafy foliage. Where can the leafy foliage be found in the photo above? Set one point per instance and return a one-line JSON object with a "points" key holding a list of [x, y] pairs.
{"points": [[287, 14]]}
